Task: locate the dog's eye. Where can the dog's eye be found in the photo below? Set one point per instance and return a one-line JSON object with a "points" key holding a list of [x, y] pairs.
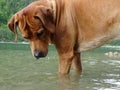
{"points": [[36, 17], [40, 34]]}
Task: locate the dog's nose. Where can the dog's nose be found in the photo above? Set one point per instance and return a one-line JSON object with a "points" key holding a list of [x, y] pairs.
{"points": [[38, 54]]}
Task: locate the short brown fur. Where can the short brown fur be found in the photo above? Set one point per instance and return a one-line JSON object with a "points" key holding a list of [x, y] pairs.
{"points": [[73, 26]]}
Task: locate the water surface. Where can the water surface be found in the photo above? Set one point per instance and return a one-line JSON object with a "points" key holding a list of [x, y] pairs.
{"points": [[19, 70]]}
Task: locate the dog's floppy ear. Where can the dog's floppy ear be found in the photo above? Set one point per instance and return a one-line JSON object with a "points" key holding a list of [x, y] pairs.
{"points": [[45, 14], [12, 24]]}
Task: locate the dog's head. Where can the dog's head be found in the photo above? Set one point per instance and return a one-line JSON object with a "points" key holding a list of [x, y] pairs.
{"points": [[35, 23]]}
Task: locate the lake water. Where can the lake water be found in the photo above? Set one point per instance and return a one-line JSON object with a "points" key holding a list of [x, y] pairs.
{"points": [[20, 71]]}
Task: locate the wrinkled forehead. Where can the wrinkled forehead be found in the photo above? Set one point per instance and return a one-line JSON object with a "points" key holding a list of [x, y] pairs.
{"points": [[28, 21], [27, 16], [29, 26]]}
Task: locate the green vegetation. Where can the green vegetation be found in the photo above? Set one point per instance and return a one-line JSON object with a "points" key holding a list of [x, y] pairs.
{"points": [[7, 9], [7, 35]]}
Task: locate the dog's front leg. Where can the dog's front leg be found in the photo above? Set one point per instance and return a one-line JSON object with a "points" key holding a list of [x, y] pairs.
{"points": [[65, 61], [76, 63]]}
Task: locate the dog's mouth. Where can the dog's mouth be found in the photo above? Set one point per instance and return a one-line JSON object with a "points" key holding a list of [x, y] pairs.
{"points": [[39, 54]]}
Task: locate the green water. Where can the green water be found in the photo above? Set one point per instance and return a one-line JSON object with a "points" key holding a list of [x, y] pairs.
{"points": [[19, 70]]}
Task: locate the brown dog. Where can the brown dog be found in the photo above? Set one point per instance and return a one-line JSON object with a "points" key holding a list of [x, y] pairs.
{"points": [[73, 26]]}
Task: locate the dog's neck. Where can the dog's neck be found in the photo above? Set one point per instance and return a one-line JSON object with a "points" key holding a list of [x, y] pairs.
{"points": [[53, 6]]}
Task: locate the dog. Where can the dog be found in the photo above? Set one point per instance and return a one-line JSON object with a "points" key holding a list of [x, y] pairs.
{"points": [[73, 26]]}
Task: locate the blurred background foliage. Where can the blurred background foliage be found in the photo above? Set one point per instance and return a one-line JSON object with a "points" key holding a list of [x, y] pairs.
{"points": [[7, 9]]}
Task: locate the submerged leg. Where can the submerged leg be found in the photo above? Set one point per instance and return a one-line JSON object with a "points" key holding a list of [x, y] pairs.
{"points": [[76, 63], [65, 61]]}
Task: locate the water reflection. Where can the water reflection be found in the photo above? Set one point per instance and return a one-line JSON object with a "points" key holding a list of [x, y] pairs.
{"points": [[112, 81], [69, 83]]}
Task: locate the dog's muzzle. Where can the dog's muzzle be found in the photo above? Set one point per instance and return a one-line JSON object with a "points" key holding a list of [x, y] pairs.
{"points": [[38, 54]]}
